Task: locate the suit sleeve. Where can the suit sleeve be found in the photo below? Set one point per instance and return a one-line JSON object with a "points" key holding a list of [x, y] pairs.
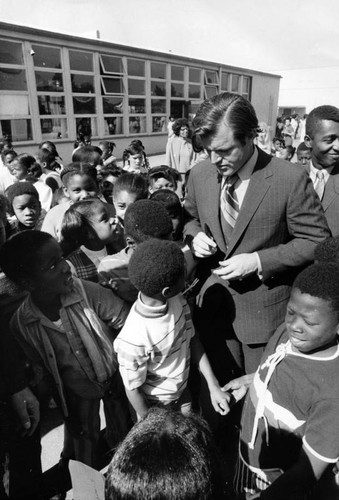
{"points": [[307, 227], [192, 220]]}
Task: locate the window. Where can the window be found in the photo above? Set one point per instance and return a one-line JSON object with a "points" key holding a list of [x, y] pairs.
{"points": [[81, 61], [177, 73], [177, 89], [46, 57], [158, 70], [225, 78], [235, 83], [194, 91], [135, 67], [194, 75], [113, 92]]}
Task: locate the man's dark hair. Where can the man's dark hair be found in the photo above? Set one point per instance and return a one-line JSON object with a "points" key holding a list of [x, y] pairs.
{"points": [[319, 114], [233, 109]]}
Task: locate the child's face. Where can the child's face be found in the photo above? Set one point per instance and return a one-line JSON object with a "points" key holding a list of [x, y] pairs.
{"points": [[122, 200], [102, 224], [311, 322], [175, 223], [18, 170], [284, 154], [161, 183], [8, 160], [26, 209], [304, 157], [79, 187], [51, 273], [135, 162]]}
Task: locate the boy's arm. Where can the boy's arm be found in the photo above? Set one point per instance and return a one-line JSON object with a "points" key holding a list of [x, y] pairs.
{"points": [[297, 480], [138, 401], [219, 398]]}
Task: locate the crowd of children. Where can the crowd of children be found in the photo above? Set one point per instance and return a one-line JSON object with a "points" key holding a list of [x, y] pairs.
{"points": [[97, 252]]}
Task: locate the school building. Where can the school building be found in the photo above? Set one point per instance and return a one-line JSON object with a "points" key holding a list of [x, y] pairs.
{"points": [[53, 86]]}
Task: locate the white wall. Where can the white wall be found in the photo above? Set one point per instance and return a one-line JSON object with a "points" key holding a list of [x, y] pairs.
{"points": [[265, 95]]}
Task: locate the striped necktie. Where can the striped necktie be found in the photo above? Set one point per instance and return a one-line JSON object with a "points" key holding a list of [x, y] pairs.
{"points": [[319, 184], [229, 201]]}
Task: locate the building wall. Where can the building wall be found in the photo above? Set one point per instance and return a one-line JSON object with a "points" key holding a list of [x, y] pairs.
{"points": [[54, 86]]}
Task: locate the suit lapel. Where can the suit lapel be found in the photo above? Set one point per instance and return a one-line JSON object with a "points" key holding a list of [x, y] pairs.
{"points": [[331, 188], [256, 191]]}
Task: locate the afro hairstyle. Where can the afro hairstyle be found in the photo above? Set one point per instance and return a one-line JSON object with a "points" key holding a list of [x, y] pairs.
{"points": [[155, 265], [19, 189], [146, 219], [320, 280], [327, 250]]}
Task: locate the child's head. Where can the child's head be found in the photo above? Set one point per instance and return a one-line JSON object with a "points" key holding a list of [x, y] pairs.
{"points": [[7, 158], [128, 189], [286, 153], [22, 166], [327, 250], [312, 317], [304, 154], [146, 219], [278, 143], [50, 146], [108, 177], [45, 158], [133, 157], [106, 148], [157, 269], [166, 452], [80, 181], [88, 154], [24, 203], [172, 203], [162, 177], [86, 223], [33, 260]]}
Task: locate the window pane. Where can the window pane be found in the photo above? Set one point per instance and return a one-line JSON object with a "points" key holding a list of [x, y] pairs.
{"points": [[49, 81], [246, 85], [136, 106], [84, 105], [235, 83], [51, 105], [17, 130], [47, 57], [81, 61], [158, 106], [177, 73], [210, 91], [136, 87], [113, 125], [158, 70], [211, 77], [135, 67], [112, 86], [53, 128], [177, 89], [159, 124], [194, 91], [112, 64], [10, 52], [112, 105], [194, 75], [13, 79], [82, 83], [224, 81], [14, 105], [137, 124], [87, 126], [158, 88]]}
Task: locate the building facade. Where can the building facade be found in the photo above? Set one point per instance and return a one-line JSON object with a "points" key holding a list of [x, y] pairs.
{"points": [[55, 86]]}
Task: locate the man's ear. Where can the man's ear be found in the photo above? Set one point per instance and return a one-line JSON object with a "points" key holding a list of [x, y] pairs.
{"points": [[308, 141], [165, 291], [130, 242]]}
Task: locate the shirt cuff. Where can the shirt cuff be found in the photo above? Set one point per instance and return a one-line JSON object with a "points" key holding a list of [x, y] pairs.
{"points": [[259, 268]]}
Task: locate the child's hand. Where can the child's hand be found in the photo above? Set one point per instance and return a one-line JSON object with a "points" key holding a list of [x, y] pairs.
{"points": [[220, 400], [112, 284], [239, 386]]}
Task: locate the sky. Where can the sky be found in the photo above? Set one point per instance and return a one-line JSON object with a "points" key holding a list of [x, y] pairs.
{"points": [[266, 35]]}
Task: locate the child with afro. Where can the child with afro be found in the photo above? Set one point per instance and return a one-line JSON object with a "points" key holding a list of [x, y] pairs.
{"points": [[155, 345], [24, 208], [289, 439]]}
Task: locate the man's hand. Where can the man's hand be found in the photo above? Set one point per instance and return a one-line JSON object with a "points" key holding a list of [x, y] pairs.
{"points": [[26, 408], [237, 267], [203, 246]]}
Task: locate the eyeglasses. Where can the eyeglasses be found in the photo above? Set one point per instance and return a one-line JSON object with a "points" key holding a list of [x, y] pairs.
{"points": [[53, 266]]}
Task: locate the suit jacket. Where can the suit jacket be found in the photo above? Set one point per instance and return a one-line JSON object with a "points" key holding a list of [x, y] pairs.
{"points": [[330, 201], [281, 218]]}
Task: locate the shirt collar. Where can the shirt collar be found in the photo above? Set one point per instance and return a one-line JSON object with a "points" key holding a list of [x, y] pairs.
{"points": [[313, 172]]}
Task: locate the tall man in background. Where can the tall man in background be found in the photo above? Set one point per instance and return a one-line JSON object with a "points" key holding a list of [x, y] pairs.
{"points": [[252, 220]]}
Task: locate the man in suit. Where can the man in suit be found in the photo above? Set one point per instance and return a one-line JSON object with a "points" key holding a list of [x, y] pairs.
{"points": [[322, 138], [255, 230]]}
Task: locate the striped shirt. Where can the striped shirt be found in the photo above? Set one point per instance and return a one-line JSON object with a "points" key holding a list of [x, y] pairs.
{"points": [[154, 349]]}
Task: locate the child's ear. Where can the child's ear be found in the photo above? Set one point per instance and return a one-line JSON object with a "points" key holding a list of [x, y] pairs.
{"points": [[65, 190], [165, 291], [130, 242]]}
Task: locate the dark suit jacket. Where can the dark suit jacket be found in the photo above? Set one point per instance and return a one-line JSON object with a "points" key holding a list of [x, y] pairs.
{"points": [[281, 218], [330, 201]]}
